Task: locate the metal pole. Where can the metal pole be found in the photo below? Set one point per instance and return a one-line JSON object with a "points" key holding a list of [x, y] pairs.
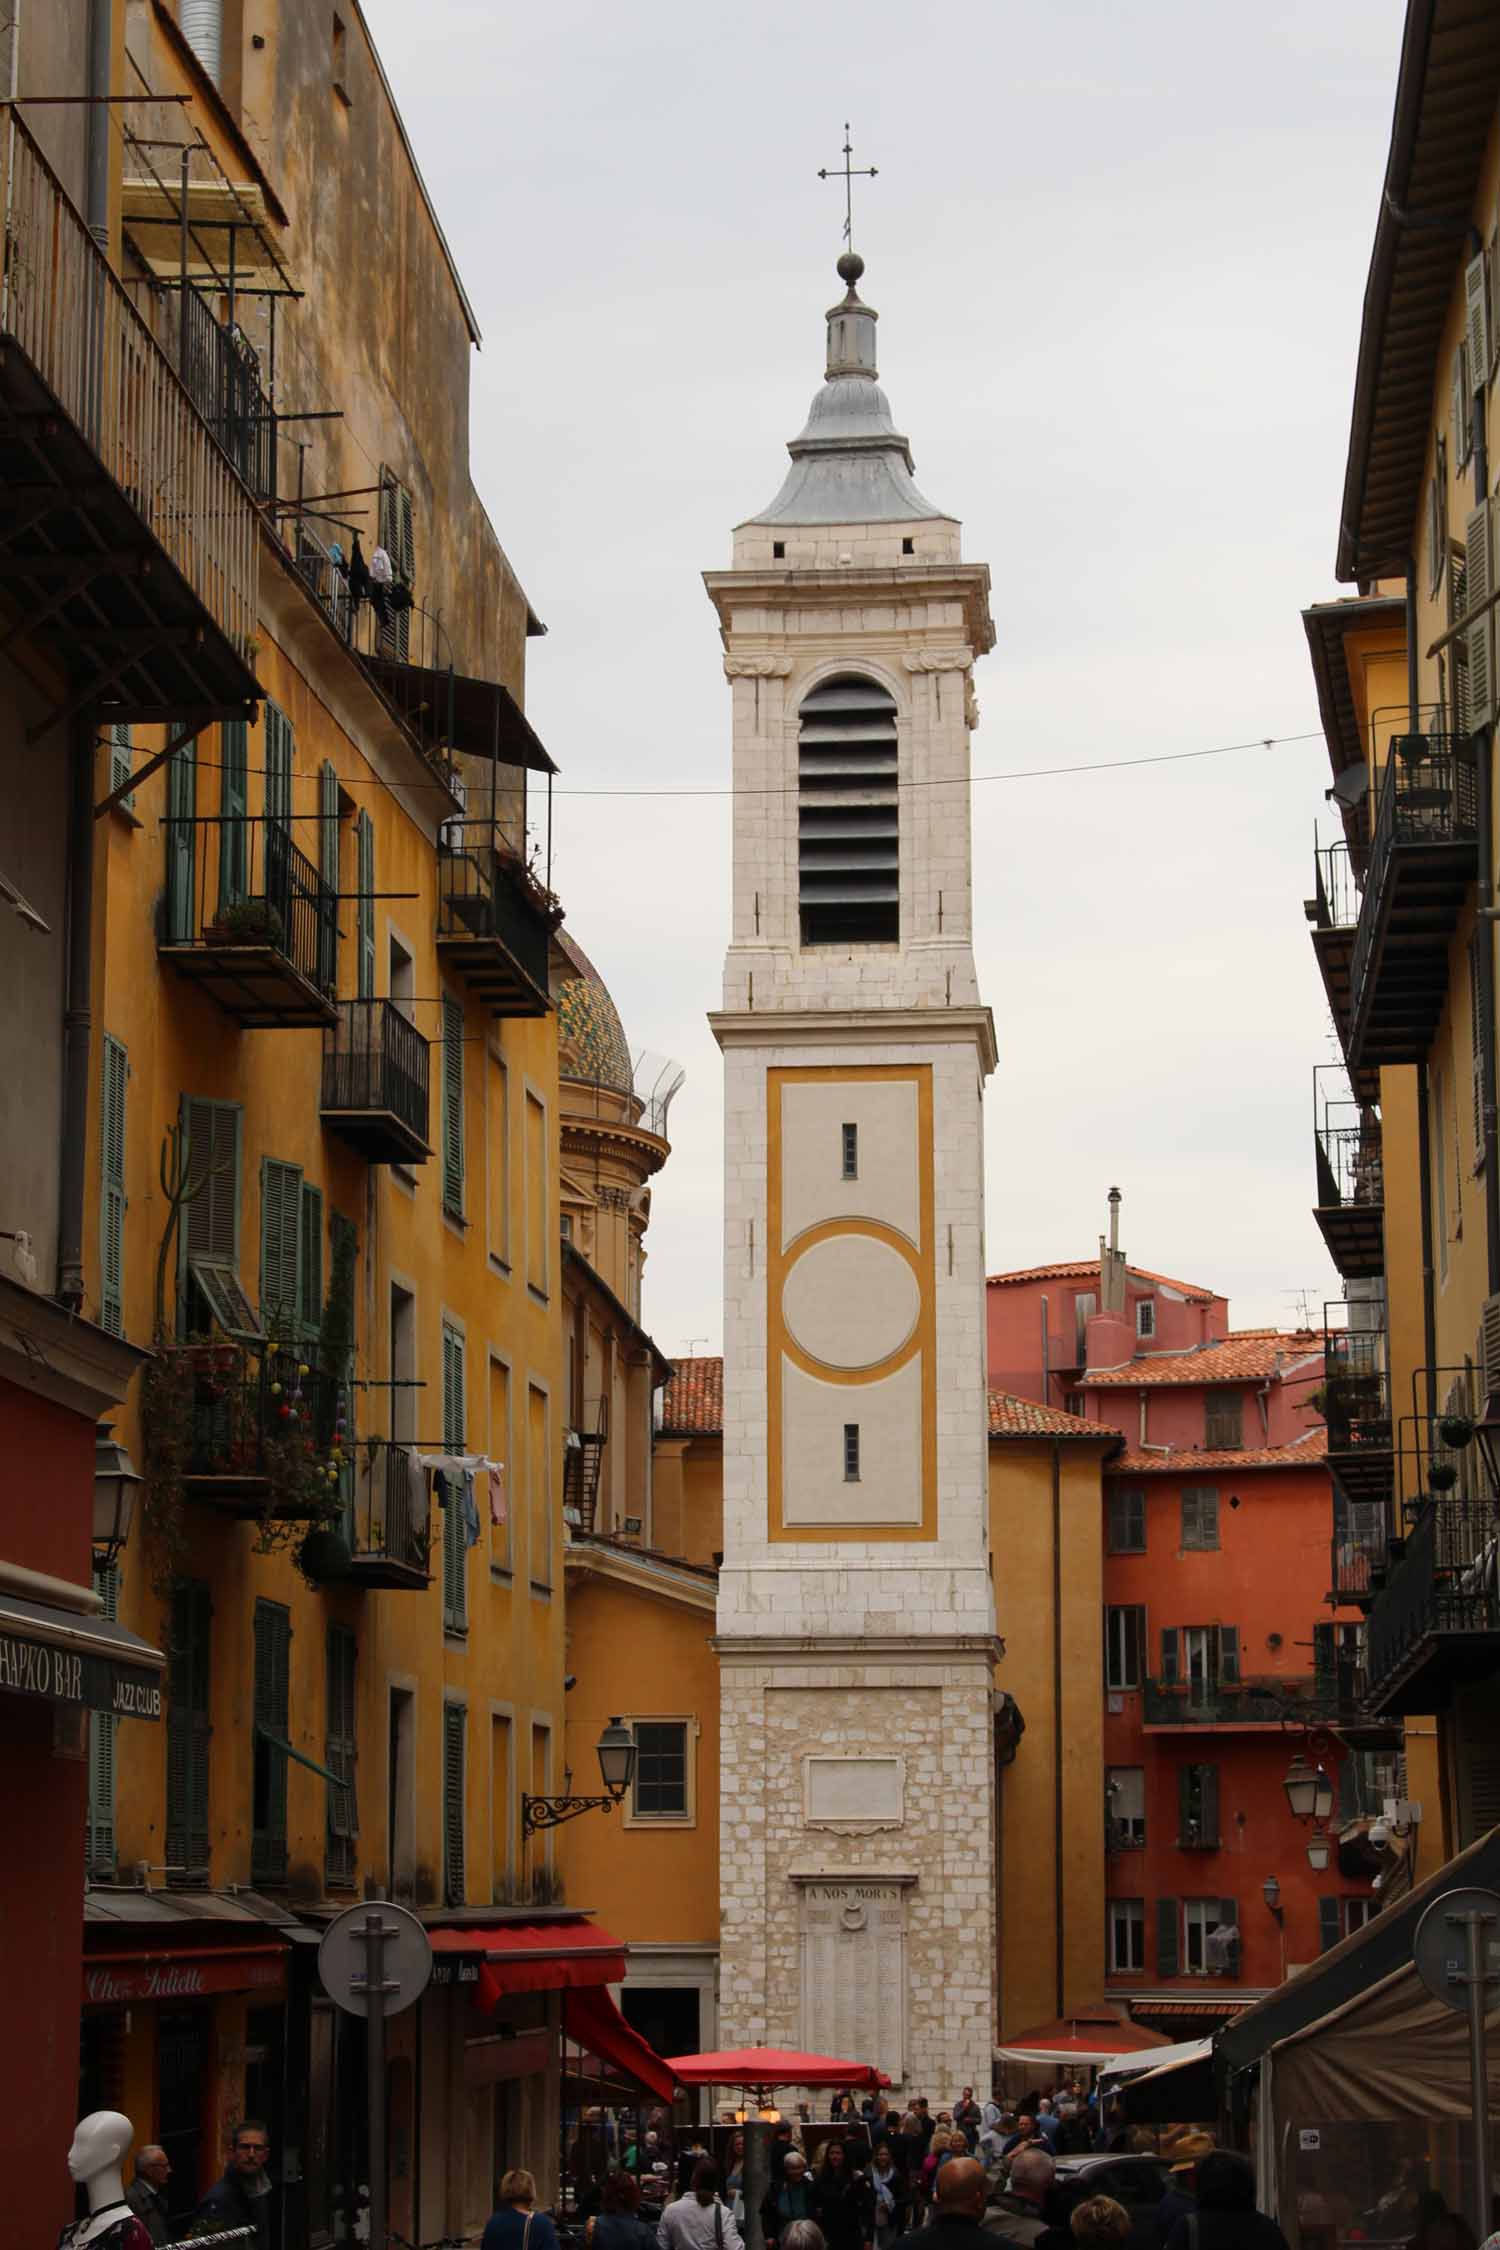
{"points": [[182, 273], [375, 1935], [1478, 1990], [757, 2172]]}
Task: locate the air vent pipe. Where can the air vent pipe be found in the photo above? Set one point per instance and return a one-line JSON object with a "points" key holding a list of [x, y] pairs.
{"points": [[203, 29]]}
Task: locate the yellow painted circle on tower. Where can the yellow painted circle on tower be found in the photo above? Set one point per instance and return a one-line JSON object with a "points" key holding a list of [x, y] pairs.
{"points": [[850, 1301]]}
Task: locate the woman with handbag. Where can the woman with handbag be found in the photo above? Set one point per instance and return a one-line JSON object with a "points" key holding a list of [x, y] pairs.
{"points": [[515, 2224], [698, 2220]]}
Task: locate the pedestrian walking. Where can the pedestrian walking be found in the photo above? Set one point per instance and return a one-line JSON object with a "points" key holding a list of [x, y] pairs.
{"points": [[889, 2196], [147, 2192], [698, 2220], [957, 2221], [515, 2223], [789, 2203], [1017, 2212], [241, 2196], [843, 2204], [968, 2117], [1226, 2217]]}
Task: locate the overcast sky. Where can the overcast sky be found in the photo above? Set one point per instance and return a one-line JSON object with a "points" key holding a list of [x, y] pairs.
{"points": [[1118, 255]]}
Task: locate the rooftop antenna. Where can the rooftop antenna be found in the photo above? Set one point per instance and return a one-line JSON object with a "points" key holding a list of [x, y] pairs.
{"points": [[849, 172]]}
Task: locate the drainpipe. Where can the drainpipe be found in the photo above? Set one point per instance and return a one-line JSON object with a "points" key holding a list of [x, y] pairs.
{"points": [[1484, 1029], [101, 29], [1429, 1307], [1412, 681], [1057, 1729], [77, 1024]]}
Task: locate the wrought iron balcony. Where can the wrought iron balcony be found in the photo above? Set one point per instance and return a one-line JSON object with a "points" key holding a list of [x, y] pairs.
{"points": [[255, 1429], [375, 1074], [247, 916], [1361, 1535], [494, 927], [220, 371], [1333, 915], [1356, 1406], [1435, 1625], [1351, 1188], [130, 544], [1423, 858], [388, 1524], [1308, 1698]]}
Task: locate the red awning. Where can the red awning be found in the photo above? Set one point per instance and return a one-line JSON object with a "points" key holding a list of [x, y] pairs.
{"points": [[534, 1956], [1091, 2034], [770, 2066], [592, 2020]]}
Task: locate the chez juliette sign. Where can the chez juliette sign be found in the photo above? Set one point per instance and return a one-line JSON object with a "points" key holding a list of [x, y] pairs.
{"points": [[148, 1977], [64, 1675]]}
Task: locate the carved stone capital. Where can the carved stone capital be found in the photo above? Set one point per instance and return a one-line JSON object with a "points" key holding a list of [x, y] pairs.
{"points": [[938, 659], [757, 667]]}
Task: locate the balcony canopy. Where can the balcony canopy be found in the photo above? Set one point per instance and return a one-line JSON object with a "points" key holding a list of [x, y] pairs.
{"points": [[479, 717]]}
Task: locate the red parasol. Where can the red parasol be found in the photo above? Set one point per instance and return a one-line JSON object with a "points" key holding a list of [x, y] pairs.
{"points": [[757, 2069]]}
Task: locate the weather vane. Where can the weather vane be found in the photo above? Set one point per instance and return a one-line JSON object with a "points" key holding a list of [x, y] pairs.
{"points": [[849, 173]]}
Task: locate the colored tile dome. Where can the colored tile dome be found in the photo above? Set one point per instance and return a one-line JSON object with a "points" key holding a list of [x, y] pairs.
{"points": [[591, 1041]]}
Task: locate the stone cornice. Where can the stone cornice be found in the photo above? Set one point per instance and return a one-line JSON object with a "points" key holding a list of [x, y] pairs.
{"points": [[872, 1648], [876, 1026], [757, 667], [62, 1357], [642, 1574], [903, 585]]}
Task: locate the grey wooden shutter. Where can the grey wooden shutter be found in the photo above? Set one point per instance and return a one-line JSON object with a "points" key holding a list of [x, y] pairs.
{"points": [[310, 1266], [1479, 638], [1167, 1943], [1493, 263], [272, 1714], [114, 1073], [1208, 1806], [121, 759], [210, 1224], [182, 805], [189, 1674], [455, 1537], [1171, 1667], [1187, 1807], [454, 1721], [453, 1106], [398, 537], [234, 807], [1328, 1923], [341, 1748], [1477, 320], [1229, 1655], [280, 1246], [1476, 1043], [1437, 517], [102, 1724], [328, 869], [364, 829], [280, 749]]}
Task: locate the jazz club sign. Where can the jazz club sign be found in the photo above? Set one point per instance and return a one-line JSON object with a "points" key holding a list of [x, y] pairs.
{"points": [[65, 1675]]}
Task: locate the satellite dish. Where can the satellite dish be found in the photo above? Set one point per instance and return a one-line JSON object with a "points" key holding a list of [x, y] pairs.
{"points": [[1352, 786]]}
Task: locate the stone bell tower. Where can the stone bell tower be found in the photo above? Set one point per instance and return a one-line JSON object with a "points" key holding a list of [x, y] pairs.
{"points": [[856, 1622]]}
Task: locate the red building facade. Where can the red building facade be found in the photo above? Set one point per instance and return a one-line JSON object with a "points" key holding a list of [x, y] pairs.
{"points": [[1223, 1657]]}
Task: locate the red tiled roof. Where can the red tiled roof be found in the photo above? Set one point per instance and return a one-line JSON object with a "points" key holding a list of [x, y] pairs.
{"points": [[1248, 1355], [1079, 1269], [692, 1403], [1179, 1460], [1025, 1417]]}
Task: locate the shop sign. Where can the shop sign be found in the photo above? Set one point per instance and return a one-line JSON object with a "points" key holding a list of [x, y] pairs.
{"points": [[166, 1976], [65, 1675], [455, 1971]]}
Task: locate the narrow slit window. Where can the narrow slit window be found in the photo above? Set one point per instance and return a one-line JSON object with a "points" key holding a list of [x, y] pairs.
{"points": [[851, 1453], [778, 550], [848, 820], [908, 546], [850, 1135]]}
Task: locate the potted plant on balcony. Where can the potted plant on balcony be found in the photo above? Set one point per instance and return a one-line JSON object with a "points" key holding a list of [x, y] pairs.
{"points": [[250, 921]]}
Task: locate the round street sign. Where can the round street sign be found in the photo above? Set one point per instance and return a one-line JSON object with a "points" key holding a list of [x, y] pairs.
{"points": [[345, 1957], [1440, 1949]]}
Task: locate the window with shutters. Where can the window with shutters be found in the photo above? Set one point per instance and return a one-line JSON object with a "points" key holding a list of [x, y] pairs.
{"points": [[328, 868], [1461, 406], [1458, 650], [189, 1676], [1224, 1419], [1125, 1807], [1476, 1047], [1437, 519], [179, 921], [453, 1106], [541, 1494], [455, 1727], [280, 1248], [100, 1831], [398, 537], [1358, 1911], [208, 1236], [1127, 1521], [310, 1262], [1201, 1658], [1127, 1935], [1124, 1641], [272, 1723], [1145, 1316], [455, 1531], [340, 1748], [1477, 319], [1479, 574], [121, 760], [1200, 1516], [113, 1078], [848, 818], [660, 1790], [364, 835], [1198, 1808], [234, 810], [1202, 1920], [1329, 1931], [280, 753]]}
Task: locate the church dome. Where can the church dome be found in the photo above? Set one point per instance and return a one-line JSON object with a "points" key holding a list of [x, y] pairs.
{"points": [[591, 1041]]}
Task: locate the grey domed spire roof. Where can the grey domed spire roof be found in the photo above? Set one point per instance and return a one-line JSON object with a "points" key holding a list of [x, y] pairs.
{"points": [[850, 464]]}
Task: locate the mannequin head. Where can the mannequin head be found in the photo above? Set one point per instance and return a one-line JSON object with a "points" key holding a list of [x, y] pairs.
{"points": [[100, 2141]]}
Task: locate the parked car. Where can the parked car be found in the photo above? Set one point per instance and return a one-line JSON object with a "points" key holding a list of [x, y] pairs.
{"points": [[1139, 2182]]}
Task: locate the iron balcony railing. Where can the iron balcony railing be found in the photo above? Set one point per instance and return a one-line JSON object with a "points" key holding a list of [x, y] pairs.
{"points": [[239, 883], [1428, 796], [255, 1416], [1356, 1389], [1334, 904], [62, 304], [1446, 1582], [1361, 1534], [483, 893], [1264, 1702], [221, 372], [374, 1058], [1351, 1170], [389, 1517]]}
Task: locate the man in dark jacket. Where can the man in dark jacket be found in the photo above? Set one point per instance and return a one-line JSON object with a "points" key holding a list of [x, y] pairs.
{"points": [[242, 2197], [958, 2198], [147, 2192]]}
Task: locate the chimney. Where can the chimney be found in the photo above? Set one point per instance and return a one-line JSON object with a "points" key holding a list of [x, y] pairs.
{"points": [[1114, 1222], [1112, 1263]]}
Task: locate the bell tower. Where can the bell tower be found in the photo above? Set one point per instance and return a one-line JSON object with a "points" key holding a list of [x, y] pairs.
{"points": [[856, 1616]]}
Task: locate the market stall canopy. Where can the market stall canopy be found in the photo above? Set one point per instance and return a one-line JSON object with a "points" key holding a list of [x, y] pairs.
{"points": [[1153, 2061], [532, 1956], [1393, 2052], [771, 2066], [591, 2020], [1096, 2034]]}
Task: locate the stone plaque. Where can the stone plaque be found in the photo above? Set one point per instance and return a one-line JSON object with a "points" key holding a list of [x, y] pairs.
{"points": [[853, 1796], [854, 1972]]}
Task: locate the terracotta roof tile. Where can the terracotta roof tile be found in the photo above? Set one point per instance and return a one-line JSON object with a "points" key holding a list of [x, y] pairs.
{"points": [[692, 1403], [1080, 1269], [1025, 1417], [1177, 1460], [1247, 1355]]}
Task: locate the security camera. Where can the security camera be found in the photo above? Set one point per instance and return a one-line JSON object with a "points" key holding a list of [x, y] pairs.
{"points": [[570, 1680]]}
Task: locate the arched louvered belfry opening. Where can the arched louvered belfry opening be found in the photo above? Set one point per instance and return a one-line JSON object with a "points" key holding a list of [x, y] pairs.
{"points": [[848, 820]]}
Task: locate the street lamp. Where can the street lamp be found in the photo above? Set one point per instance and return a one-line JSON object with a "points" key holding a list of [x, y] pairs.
{"points": [[1270, 1891], [115, 1483], [616, 1752], [1309, 1791], [1319, 1852]]}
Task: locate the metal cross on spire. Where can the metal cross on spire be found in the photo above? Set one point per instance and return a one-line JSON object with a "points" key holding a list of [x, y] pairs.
{"points": [[849, 173]]}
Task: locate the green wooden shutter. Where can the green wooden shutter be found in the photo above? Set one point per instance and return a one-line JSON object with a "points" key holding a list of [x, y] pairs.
{"points": [[102, 1724], [453, 1106], [1186, 1806], [455, 1546], [364, 830], [1167, 1942], [310, 1269], [272, 1714], [341, 1748], [1328, 1923], [234, 806], [343, 1239], [1229, 1655], [1171, 1668], [210, 1224], [182, 805], [113, 1077], [455, 1718], [121, 759], [397, 536], [189, 1675], [1208, 1806], [279, 754], [280, 1246], [328, 868]]}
